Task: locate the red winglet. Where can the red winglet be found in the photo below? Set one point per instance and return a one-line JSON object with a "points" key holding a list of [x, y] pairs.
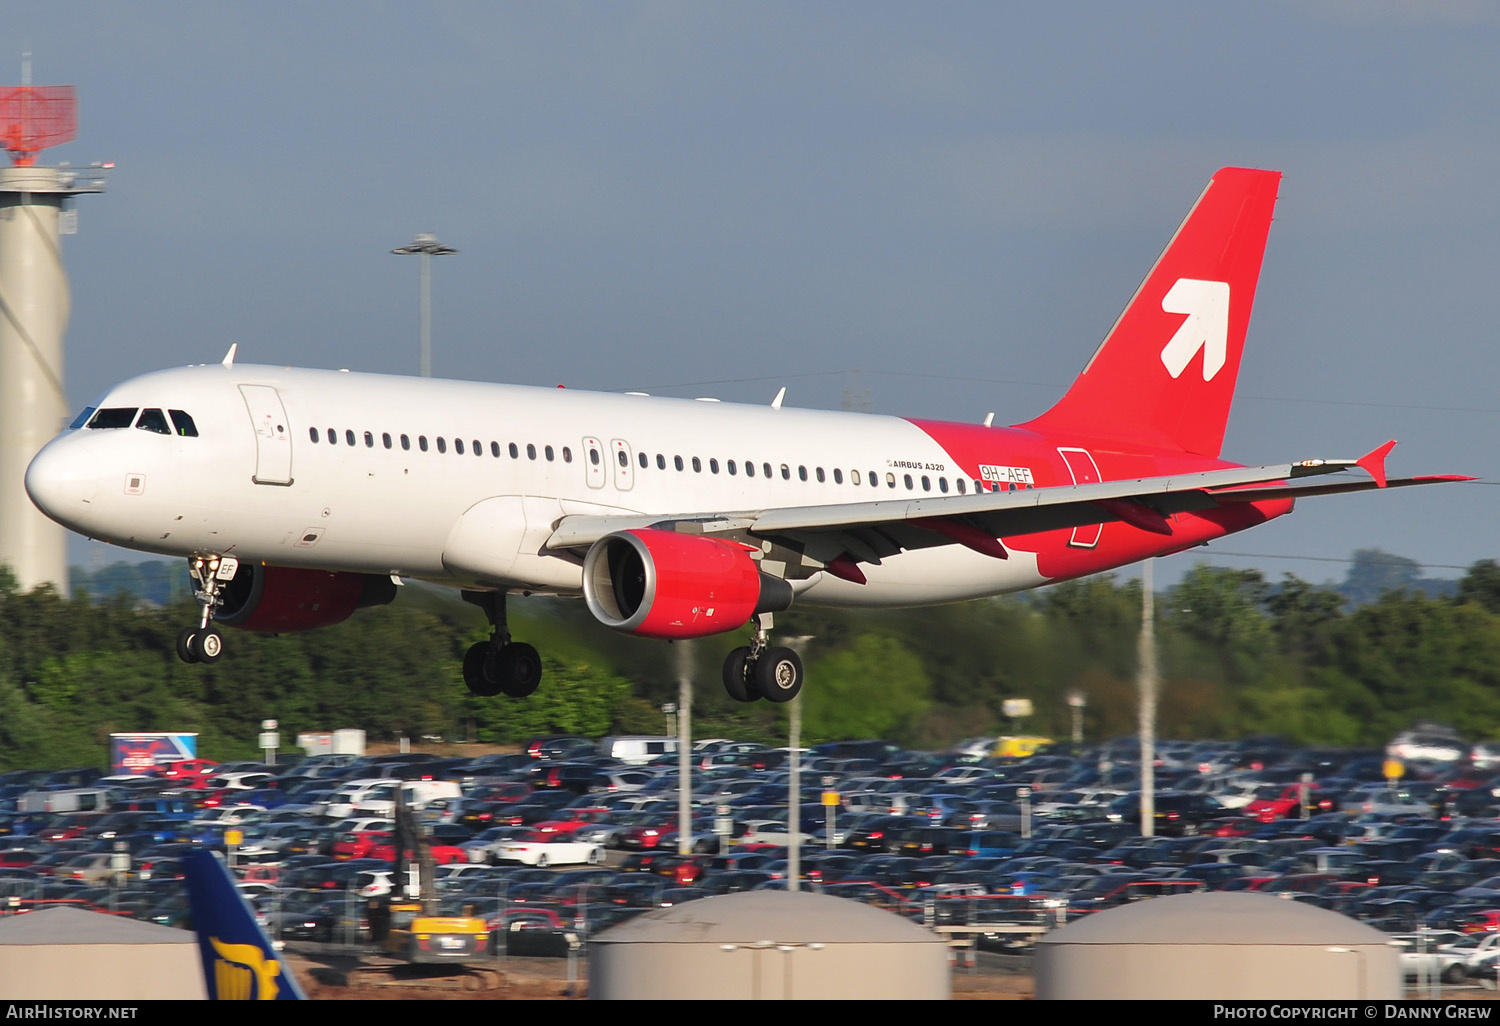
{"points": [[1374, 462]]}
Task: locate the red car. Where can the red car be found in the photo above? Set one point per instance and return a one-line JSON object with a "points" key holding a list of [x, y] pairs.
{"points": [[189, 771], [442, 854], [1273, 802], [571, 821], [361, 844]]}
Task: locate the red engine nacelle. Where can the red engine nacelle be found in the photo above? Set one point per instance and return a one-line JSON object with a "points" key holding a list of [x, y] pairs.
{"points": [[279, 599], [661, 584]]}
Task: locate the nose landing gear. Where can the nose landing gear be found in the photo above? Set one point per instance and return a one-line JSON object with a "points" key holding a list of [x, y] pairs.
{"points": [[204, 643]]}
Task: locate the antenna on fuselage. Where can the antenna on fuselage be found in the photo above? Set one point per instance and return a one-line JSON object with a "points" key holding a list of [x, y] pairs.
{"points": [[989, 419], [776, 403], [228, 360]]}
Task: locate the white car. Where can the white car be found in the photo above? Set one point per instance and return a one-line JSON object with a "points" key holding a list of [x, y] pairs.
{"points": [[551, 852]]}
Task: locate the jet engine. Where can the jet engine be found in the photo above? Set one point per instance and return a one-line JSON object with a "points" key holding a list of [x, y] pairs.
{"points": [[661, 584], [279, 599]]}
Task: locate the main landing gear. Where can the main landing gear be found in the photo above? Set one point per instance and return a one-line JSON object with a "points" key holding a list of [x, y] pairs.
{"points": [[761, 670], [204, 643], [499, 666]]}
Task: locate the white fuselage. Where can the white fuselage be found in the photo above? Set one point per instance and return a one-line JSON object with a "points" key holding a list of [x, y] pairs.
{"points": [[461, 483]]}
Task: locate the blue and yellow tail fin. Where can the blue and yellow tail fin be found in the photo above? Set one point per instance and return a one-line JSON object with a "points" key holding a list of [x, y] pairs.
{"points": [[239, 962]]}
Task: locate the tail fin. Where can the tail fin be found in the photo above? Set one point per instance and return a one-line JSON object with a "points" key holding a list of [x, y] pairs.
{"points": [[1164, 376], [239, 962]]}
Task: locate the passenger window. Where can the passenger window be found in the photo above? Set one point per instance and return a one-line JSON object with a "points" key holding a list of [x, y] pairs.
{"points": [[749, 469], [422, 442], [960, 484], [530, 451], [713, 466], [838, 476], [943, 485], [890, 479], [641, 458], [495, 449], [875, 481], [786, 472], [594, 457], [854, 476], [766, 470], [729, 465], [458, 446], [661, 462], [907, 479], [185, 426], [802, 473], [405, 443], [478, 449], [369, 440], [154, 421], [820, 475], [677, 462], [624, 460], [333, 437], [385, 439], [83, 418], [547, 452], [312, 433], [515, 453], [442, 444], [926, 483], [115, 418], [697, 466], [567, 455], [349, 436]]}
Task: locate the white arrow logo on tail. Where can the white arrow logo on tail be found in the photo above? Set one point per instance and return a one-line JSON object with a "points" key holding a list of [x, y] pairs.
{"points": [[1206, 304]]}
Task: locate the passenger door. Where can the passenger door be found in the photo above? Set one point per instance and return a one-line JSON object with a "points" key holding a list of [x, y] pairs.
{"points": [[273, 439]]}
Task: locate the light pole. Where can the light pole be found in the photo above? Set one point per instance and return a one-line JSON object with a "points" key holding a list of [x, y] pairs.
{"points": [[1077, 701], [1148, 685], [426, 246]]}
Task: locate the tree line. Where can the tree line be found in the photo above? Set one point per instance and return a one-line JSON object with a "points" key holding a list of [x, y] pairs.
{"points": [[1238, 655]]}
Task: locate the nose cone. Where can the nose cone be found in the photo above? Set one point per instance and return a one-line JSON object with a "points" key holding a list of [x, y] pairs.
{"points": [[63, 480]]}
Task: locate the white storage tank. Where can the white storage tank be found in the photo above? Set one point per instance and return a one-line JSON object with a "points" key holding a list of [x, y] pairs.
{"points": [[1217, 946], [769, 945]]}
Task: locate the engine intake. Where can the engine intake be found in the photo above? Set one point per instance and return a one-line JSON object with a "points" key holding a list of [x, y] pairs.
{"points": [[281, 599], [661, 584]]}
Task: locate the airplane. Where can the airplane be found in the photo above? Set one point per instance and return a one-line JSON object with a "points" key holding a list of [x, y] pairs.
{"points": [[298, 496], [239, 961]]}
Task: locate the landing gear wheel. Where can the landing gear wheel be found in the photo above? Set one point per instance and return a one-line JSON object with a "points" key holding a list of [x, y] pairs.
{"points": [[208, 644], [479, 670], [186, 640], [518, 669], [737, 676], [778, 674]]}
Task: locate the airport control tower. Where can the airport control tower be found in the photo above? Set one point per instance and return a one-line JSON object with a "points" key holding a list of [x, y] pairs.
{"points": [[36, 210]]}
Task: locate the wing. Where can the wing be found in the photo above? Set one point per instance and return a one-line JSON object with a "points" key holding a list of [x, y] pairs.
{"points": [[867, 532]]}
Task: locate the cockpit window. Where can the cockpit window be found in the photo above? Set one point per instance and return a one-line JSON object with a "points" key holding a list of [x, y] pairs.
{"points": [[155, 421], [185, 426], [118, 417], [82, 419]]}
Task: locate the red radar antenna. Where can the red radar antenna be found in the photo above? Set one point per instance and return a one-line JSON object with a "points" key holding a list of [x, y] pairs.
{"points": [[35, 117]]}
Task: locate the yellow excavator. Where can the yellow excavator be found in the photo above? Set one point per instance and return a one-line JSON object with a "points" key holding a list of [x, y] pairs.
{"points": [[408, 926]]}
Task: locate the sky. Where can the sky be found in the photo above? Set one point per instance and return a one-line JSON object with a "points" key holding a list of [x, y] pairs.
{"points": [[934, 209]]}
